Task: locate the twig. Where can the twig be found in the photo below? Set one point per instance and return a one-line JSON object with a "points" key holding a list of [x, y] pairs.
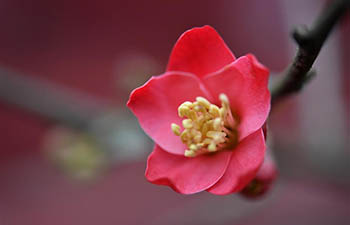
{"points": [[310, 42]]}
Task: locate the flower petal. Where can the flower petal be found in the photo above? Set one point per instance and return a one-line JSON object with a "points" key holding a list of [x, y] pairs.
{"points": [[245, 83], [200, 51], [155, 105], [245, 162], [186, 175]]}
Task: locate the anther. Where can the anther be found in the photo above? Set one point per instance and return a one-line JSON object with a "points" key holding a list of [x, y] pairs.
{"points": [[187, 123], [176, 129], [192, 115], [183, 111], [184, 135], [190, 153], [214, 110], [223, 98], [188, 104], [197, 138], [217, 123], [212, 147], [203, 102]]}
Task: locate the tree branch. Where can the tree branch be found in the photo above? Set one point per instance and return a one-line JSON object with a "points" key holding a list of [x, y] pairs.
{"points": [[310, 42], [49, 100]]}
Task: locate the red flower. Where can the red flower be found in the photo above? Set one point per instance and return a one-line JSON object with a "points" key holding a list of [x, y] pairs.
{"points": [[219, 149]]}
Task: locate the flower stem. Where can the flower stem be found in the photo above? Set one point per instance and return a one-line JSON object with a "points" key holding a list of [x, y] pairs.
{"points": [[309, 41]]}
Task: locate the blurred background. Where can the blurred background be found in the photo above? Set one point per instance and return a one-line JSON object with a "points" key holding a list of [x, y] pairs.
{"points": [[72, 153]]}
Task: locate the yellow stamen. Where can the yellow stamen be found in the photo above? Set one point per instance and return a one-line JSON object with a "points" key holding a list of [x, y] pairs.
{"points": [[187, 123], [207, 128], [176, 129], [190, 153], [203, 102], [217, 123], [183, 110], [214, 110], [212, 147]]}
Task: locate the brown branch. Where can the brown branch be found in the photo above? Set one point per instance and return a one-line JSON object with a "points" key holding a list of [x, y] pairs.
{"points": [[310, 42]]}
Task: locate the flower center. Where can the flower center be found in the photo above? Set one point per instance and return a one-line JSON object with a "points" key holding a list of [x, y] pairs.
{"points": [[207, 128]]}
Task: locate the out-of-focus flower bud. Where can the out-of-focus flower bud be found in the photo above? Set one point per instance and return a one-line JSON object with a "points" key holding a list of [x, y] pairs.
{"points": [[264, 178]]}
